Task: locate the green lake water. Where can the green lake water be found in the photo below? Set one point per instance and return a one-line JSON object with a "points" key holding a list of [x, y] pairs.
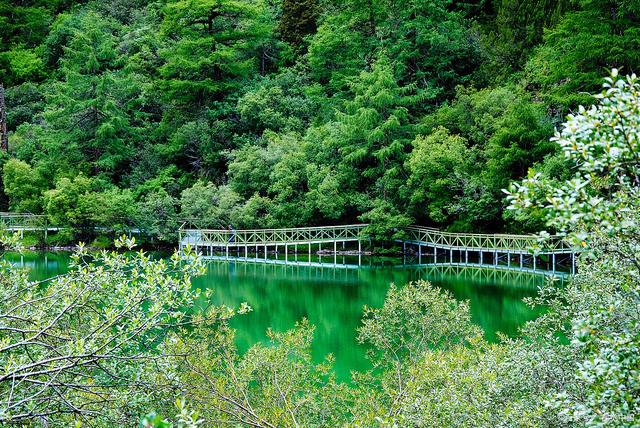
{"points": [[332, 297]]}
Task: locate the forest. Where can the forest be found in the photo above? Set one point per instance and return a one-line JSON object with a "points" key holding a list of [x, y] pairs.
{"points": [[123, 339], [465, 115], [282, 113]]}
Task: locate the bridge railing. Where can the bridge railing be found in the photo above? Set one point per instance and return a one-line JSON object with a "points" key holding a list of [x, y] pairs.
{"points": [[22, 221], [505, 243], [479, 241], [222, 237], [524, 278]]}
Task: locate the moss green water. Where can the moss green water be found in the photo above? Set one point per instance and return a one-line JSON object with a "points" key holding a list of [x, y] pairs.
{"points": [[332, 298]]}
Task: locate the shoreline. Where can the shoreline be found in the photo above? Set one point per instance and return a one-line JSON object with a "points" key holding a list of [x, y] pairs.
{"points": [[71, 248]]}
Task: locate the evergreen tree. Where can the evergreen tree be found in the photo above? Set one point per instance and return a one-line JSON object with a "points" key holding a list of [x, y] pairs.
{"points": [[585, 44], [428, 41], [211, 45], [519, 27], [373, 132], [90, 109], [299, 19]]}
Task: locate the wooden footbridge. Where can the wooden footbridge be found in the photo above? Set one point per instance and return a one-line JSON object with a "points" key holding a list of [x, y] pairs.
{"points": [[428, 244]]}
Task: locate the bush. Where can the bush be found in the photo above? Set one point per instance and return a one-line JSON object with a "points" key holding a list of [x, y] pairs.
{"points": [[24, 186]]}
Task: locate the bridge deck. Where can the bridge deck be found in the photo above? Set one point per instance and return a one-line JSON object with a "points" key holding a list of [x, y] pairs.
{"points": [[465, 247], [22, 221], [505, 243], [25, 222], [271, 237], [423, 236]]}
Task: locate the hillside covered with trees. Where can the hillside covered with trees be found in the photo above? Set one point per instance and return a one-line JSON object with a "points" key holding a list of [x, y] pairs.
{"points": [[264, 113]]}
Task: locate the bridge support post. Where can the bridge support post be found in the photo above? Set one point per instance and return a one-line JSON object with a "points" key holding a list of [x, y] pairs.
{"points": [[573, 263], [508, 259], [451, 255], [359, 247], [495, 258], [481, 255], [534, 262], [286, 252], [466, 257], [246, 251], [226, 251], [521, 260], [553, 261]]}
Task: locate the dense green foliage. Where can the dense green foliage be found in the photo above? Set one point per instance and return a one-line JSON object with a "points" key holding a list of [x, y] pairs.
{"points": [[115, 340], [599, 209], [294, 112], [282, 113], [577, 365], [603, 142], [81, 340]]}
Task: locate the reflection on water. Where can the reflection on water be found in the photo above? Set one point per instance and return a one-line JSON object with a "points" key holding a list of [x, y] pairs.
{"points": [[41, 265], [332, 296]]}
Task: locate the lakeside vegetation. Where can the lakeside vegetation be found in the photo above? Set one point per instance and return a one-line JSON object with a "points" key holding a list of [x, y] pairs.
{"points": [[311, 112], [116, 337]]}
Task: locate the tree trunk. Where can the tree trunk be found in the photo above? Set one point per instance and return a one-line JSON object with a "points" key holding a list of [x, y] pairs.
{"points": [[4, 133]]}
